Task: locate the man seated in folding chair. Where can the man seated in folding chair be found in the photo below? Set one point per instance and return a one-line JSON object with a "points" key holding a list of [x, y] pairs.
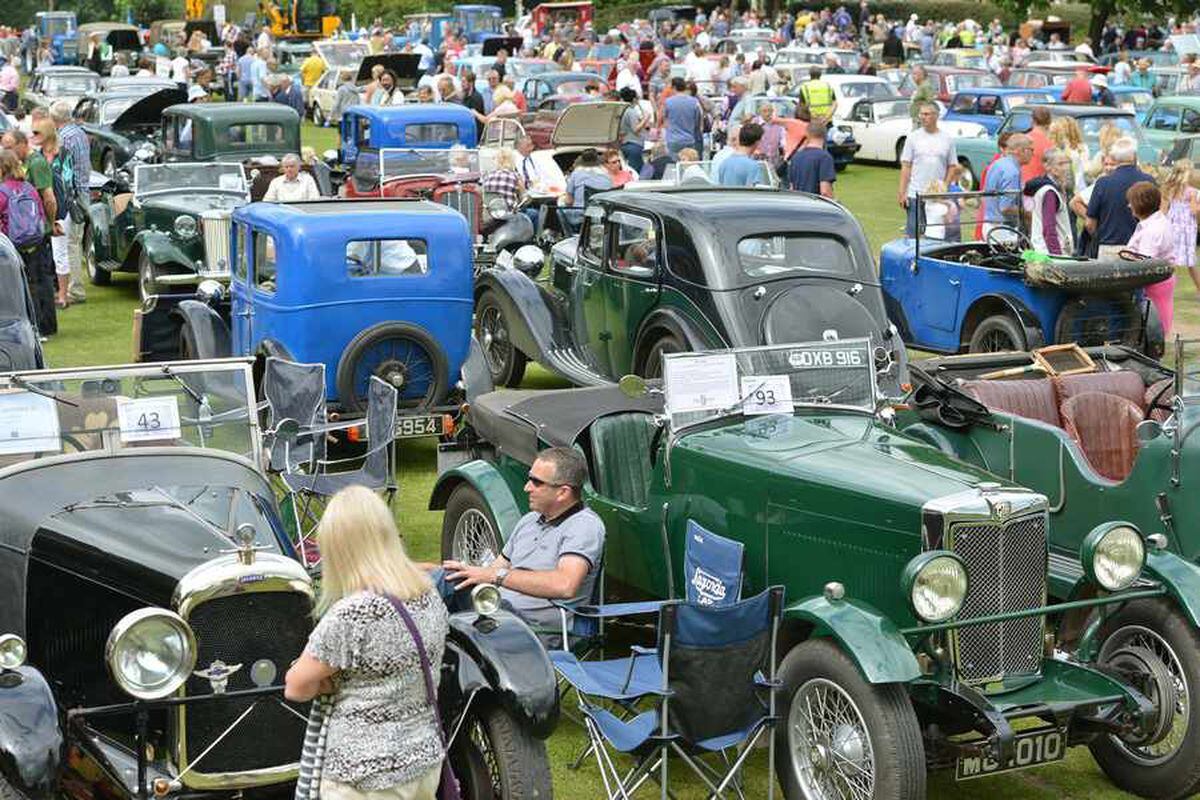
{"points": [[554, 551]]}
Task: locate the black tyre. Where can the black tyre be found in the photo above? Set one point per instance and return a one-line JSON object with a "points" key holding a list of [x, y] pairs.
{"points": [[651, 366], [1164, 764], [470, 767], [318, 116], [968, 181], [505, 362], [402, 354], [899, 149], [516, 760], [188, 350], [840, 737], [108, 164], [997, 334], [147, 277], [469, 531], [91, 262]]}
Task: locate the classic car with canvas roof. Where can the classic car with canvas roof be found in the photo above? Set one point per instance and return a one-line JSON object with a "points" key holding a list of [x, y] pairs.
{"points": [[678, 270], [48, 84], [931, 621], [121, 125], [172, 228], [950, 291]]}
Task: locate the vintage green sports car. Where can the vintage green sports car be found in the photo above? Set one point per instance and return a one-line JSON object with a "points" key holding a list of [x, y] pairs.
{"points": [[927, 626], [172, 228]]}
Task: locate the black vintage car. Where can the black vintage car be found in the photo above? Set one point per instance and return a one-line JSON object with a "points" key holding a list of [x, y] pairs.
{"points": [[151, 602], [121, 124], [674, 270]]}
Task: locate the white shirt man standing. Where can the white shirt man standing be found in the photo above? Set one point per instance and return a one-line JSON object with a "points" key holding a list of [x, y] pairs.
{"points": [[928, 155]]}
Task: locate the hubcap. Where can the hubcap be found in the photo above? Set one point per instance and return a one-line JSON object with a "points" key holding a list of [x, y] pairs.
{"points": [[394, 372], [1169, 738], [831, 753], [474, 540]]}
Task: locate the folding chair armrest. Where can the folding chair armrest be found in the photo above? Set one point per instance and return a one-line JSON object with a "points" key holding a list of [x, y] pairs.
{"points": [[370, 450], [639, 650], [763, 682], [613, 610]]}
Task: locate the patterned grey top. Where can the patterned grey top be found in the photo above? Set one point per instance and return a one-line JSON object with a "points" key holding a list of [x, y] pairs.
{"points": [[381, 729]]}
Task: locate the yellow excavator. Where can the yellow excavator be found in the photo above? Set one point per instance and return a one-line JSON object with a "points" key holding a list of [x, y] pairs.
{"points": [[298, 18]]}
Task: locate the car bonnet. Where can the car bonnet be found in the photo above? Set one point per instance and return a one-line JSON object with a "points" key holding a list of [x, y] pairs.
{"points": [[148, 110], [586, 124]]}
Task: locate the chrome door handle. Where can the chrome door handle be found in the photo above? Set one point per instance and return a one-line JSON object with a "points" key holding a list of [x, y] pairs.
{"points": [[954, 282]]}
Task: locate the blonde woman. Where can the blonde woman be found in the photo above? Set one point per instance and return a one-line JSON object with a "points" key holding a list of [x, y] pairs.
{"points": [[384, 738], [45, 139], [1181, 203], [1067, 139], [1108, 136]]}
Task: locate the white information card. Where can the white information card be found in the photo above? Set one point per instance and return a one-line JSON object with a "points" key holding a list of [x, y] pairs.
{"points": [[149, 419], [767, 394], [28, 423], [700, 383]]}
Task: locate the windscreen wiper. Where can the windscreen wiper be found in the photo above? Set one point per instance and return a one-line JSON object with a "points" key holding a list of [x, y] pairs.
{"points": [[17, 380]]}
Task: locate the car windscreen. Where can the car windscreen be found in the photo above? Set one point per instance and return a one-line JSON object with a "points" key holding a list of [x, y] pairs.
{"points": [[52, 26], [956, 83], [1017, 100], [123, 40], [247, 135], [1091, 127], [772, 255], [193, 177], [890, 109], [70, 84], [573, 87], [342, 54], [399, 163], [865, 89]]}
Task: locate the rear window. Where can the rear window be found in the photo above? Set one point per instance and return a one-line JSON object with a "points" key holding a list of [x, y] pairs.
{"points": [[772, 255], [252, 135], [431, 133], [376, 258]]}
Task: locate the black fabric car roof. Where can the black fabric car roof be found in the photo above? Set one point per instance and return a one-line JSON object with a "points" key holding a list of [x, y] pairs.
{"points": [[33, 490], [515, 421]]}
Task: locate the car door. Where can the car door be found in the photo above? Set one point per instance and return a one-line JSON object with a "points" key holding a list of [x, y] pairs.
{"points": [[936, 288], [242, 303], [1189, 122], [962, 108], [589, 335], [859, 123], [1162, 124], [630, 283]]}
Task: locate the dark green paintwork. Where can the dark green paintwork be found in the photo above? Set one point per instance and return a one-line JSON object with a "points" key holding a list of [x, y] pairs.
{"points": [[880, 651], [150, 226], [210, 121]]}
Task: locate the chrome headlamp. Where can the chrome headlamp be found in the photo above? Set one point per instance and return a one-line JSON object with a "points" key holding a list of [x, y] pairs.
{"points": [[185, 226], [1113, 555], [144, 152], [485, 599], [935, 583], [12, 651], [150, 653]]}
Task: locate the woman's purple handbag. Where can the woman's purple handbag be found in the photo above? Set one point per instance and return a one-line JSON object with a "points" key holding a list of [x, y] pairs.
{"points": [[448, 788]]}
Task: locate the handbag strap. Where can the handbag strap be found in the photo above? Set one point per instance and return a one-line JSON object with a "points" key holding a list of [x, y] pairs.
{"points": [[426, 668]]}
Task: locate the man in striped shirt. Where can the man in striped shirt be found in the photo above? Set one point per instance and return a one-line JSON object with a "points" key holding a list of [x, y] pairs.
{"points": [[75, 141]]}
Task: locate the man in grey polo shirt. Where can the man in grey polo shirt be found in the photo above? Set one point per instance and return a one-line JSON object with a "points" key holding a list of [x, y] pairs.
{"points": [[554, 551]]}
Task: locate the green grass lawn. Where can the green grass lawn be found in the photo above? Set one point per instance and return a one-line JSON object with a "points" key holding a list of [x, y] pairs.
{"points": [[99, 332]]}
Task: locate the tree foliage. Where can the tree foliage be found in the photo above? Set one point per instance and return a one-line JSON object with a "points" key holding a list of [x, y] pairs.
{"points": [[1102, 11]]}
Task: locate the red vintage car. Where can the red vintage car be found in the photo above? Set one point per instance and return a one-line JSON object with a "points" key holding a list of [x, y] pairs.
{"points": [[449, 176]]}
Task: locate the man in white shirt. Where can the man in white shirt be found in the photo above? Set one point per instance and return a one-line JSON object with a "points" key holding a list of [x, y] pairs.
{"points": [[179, 69], [291, 184], [627, 77]]}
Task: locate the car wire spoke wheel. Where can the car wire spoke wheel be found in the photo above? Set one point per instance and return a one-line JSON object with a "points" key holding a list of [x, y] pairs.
{"points": [[830, 748], [493, 338], [1140, 645], [474, 539], [404, 355]]}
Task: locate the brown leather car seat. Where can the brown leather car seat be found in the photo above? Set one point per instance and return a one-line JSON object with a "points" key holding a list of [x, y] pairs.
{"points": [[1034, 398], [1122, 383], [1162, 391], [1104, 426]]}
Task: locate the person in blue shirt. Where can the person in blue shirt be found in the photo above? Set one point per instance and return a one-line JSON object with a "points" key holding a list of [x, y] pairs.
{"points": [[682, 117], [811, 168], [245, 78], [1005, 176], [740, 169]]}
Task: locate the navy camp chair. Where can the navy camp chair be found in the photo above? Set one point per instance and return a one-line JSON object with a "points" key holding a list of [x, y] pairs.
{"points": [[712, 567], [706, 690]]}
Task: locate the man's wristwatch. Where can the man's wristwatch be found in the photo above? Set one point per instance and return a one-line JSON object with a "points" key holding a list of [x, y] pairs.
{"points": [[501, 574]]}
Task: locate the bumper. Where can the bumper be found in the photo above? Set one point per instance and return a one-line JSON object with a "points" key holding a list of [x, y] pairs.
{"points": [[1080, 701], [844, 153], [192, 278]]}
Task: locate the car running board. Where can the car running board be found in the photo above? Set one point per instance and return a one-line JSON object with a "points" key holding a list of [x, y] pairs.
{"points": [[575, 366]]}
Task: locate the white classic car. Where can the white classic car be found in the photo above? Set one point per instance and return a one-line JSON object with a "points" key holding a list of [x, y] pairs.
{"points": [[881, 124]]}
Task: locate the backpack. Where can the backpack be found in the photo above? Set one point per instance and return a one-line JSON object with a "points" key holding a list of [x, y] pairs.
{"points": [[63, 176], [26, 221]]}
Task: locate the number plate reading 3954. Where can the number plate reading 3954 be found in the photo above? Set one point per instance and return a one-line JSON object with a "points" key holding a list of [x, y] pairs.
{"points": [[1030, 749]]}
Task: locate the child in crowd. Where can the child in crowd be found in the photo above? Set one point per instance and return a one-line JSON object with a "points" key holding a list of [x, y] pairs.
{"points": [[1181, 203]]}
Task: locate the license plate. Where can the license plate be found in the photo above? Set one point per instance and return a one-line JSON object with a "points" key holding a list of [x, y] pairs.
{"points": [[1032, 748], [415, 427]]}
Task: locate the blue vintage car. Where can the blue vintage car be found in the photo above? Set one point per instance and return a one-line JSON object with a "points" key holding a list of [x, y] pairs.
{"points": [[418, 125], [951, 296], [478, 22], [56, 28], [368, 288], [987, 106]]}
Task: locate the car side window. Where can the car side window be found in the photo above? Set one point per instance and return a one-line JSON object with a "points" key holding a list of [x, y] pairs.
{"points": [[634, 249], [591, 242], [374, 258], [1190, 122], [1164, 118], [241, 264], [264, 263], [989, 104], [963, 104]]}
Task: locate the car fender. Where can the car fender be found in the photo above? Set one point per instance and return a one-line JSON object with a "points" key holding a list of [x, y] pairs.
{"points": [[530, 324], [674, 321], [31, 741], [486, 480], [160, 249], [211, 332], [100, 218], [1034, 337], [1180, 577], [867, 636], [515, 664]]}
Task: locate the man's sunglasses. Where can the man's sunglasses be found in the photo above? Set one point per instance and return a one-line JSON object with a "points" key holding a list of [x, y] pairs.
{"points": [[538, 482]]}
